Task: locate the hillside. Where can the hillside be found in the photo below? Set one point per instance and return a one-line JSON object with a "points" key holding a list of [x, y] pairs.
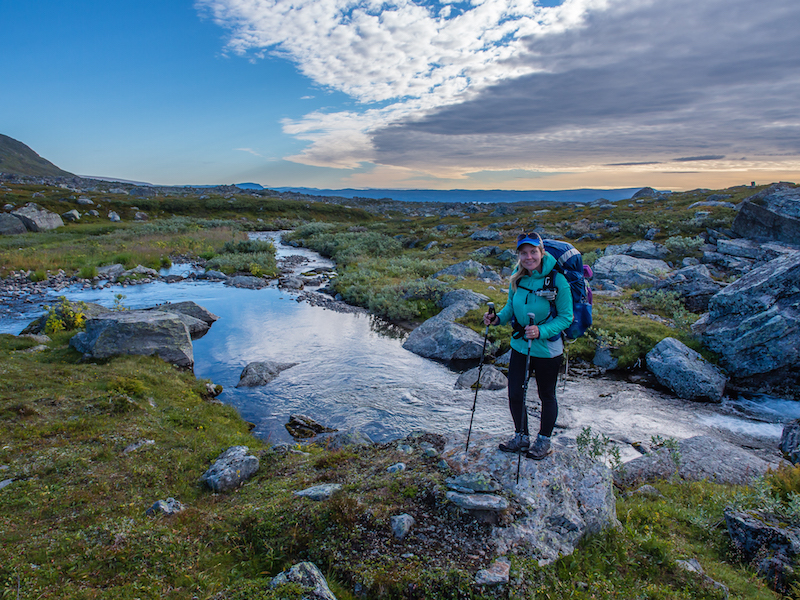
{"points": [[16, 157]]}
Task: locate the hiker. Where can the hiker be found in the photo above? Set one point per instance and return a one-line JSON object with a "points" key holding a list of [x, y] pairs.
{"points": [[532, 292]]}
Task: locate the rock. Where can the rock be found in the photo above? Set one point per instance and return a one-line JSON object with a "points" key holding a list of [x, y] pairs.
{"points": [[558, 500], [401, 525], [139, 270], [685, 372], [307, 576], [168, 507], [486, 235], [231, 469], [93, 213], [469, 483], [71, 215], [396, 468], [292, 283], [790, 441], [36, 218], [693, 566], [648, 491], [246, 281], [646, 192], [753, 532], [497, 574], [772, 214], [113, 217], [261, 373], [440, 338], [469, 268], [491, 379], [319, 492], [136, 332], [627, 271], [603, 358], [11, 225], [469, 299], [111, 271], [647, 249], [754, 323], [5, 483], [84, 201], [138, 446], [344, 439], [189, 308], [697, 458], [694, 284], [213, 275], [301, 426], [479, 502], [140, 216]]}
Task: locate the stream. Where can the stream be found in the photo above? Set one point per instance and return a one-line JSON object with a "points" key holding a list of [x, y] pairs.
{"points": [[352, 372]]}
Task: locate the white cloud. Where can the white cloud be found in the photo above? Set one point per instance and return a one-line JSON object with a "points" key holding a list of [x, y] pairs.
{"points": [[449, 87]]}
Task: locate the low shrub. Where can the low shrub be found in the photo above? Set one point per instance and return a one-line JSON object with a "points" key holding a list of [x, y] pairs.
{"points": [[260, 264]]}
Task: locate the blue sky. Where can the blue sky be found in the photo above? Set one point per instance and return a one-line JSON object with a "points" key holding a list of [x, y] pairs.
{"points": [[511, 94]]}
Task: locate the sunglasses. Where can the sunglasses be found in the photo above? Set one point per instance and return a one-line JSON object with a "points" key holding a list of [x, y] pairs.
{"points": [[529, 238]]}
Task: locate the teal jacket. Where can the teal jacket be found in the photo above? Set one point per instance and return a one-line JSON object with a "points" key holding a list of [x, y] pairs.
{"points": [[521, 302]]}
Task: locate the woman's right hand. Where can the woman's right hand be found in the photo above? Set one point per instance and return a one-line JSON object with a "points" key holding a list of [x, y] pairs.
{"points": [[488, 318]]}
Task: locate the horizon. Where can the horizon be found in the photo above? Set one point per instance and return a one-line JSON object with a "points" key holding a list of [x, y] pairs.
{"points": [[548, 95]]}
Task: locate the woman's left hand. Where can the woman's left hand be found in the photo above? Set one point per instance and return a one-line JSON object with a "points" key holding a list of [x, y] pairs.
{"points": [[532, 332]]}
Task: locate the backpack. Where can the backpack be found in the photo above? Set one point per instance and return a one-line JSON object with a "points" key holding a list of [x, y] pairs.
{"points": [[569, 262]]}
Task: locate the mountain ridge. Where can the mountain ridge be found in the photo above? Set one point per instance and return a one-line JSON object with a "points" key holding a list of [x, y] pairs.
{"points": [[19, 159]]}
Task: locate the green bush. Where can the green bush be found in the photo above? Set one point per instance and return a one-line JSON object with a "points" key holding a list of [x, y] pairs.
{"points": [[260, 264], [248, 247]]}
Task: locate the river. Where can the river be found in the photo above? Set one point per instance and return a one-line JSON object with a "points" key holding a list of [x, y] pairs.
{"points": [[352, 372]]}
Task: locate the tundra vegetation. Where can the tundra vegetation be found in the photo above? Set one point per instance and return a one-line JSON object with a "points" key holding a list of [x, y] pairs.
{"points": [[75, 435]]}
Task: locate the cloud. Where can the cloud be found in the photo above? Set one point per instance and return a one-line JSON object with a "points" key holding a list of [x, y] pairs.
{"points": [[250, 151], [449, 88]]}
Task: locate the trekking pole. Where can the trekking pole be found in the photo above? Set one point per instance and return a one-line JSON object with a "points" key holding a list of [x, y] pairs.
{"points": [[480, 369], [531, 321]]}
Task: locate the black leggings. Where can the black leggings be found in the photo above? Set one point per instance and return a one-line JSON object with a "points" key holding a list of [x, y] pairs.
{"points": [[546, 372]]}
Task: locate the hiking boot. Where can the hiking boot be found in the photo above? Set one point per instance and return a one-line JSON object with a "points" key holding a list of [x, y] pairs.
{"points": [[540, 448], [519, 443]]}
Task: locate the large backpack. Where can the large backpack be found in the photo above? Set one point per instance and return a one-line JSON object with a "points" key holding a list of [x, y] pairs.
{"points": [[569, 262]]}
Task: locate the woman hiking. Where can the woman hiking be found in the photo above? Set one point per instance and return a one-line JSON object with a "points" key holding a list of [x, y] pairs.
{"points": [[537, 334]]}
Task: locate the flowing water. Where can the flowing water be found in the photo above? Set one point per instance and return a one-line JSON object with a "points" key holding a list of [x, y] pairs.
{"points": [[352, 372]]}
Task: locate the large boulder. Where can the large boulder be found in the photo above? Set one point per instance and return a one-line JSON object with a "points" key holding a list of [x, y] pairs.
{"points": [[694, 284], [772, 214], [261, 373], [491, 378], [11, 225], [36, 218], [695, 459], [790, 441], [754, 323], [685, 372], [626, 270], [231, 469], [440, 338], [136, 332], [641, 249], [559, 500]]}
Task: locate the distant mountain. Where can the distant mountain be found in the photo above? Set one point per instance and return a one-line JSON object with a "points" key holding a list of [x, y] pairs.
{"points": [[17, 158], [581, 195], [249, 186]]}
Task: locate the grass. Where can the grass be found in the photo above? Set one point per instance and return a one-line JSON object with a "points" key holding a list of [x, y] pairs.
{"points": [[73, 523]]}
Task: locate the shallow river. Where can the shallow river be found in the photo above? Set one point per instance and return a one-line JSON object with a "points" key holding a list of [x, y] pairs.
{"points": [[352, 372]]}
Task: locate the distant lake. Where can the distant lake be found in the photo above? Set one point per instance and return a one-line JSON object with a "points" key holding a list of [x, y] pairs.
{"points": [[482, 196]]}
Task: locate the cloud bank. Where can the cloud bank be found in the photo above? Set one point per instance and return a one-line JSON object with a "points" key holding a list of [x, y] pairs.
{"points": [[449, 88]]}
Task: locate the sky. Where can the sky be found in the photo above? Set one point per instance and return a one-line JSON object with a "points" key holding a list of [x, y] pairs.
{"points": [[408, 94]]}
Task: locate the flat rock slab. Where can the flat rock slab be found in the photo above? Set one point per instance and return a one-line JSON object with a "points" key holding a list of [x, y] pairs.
{"points": [[478, 501], [497, 574], [559, 499], [700, 457], [320, 492]]}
